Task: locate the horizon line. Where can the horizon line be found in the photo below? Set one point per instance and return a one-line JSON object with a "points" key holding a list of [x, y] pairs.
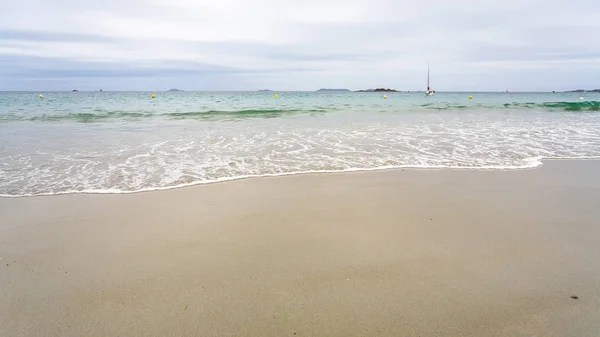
{"points": [[362, 91]]}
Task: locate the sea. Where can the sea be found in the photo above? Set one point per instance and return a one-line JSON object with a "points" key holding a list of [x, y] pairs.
{"points": [[125, 142]]}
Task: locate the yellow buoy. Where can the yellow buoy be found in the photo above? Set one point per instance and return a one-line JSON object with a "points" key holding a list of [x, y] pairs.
{"points": [[276, 96], [153, 96], [384, 96], [41, 96], [581, 98], [470, 97]]}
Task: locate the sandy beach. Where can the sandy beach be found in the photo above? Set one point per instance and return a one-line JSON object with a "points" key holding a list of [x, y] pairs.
{"points": [[386, 253]]}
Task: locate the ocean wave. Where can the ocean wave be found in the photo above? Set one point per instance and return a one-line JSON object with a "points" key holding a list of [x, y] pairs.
{"points": [[565, 106], [242, 113], [100, 116], [136, 156], [543, 106], [529, 163]]}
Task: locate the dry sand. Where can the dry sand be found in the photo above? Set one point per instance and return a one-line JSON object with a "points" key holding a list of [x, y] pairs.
{"points": [[391, 253]]}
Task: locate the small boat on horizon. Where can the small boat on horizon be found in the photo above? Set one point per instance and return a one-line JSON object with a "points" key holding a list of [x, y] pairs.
{"points": [[428, 92]]}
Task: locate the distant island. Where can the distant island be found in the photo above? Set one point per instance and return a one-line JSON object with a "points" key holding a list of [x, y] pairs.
{"points": [[174, 90], [378, 90], [265, 90], [583, 90], [332, 90]]}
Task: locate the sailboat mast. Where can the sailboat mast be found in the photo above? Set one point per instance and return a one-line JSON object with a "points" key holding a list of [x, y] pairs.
{"points": [[427, 75]]}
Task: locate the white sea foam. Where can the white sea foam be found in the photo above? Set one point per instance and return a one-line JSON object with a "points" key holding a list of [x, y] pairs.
{"points": [[135, 156]]}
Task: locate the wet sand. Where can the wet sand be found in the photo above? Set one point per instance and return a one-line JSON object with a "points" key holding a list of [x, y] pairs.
{"points": [[390, 253]]}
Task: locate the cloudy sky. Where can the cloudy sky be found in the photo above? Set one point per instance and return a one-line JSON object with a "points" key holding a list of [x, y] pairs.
{"points": [[299, 45]]}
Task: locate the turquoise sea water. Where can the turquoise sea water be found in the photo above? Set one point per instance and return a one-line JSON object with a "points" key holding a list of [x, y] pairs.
{"points": [[105, 142]]}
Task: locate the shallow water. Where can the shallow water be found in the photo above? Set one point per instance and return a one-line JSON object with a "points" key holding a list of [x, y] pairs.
{"points": [[107, 142]]}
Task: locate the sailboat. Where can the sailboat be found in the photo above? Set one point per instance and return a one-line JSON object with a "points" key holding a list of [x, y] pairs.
{"points": [[428, 92]]}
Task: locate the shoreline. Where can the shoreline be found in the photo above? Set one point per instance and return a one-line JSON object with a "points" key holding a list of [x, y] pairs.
{"points": [[390, 253], [537, 162]]}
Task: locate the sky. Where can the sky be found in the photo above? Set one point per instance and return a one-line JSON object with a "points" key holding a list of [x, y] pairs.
{"points": [[484, 45]]}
